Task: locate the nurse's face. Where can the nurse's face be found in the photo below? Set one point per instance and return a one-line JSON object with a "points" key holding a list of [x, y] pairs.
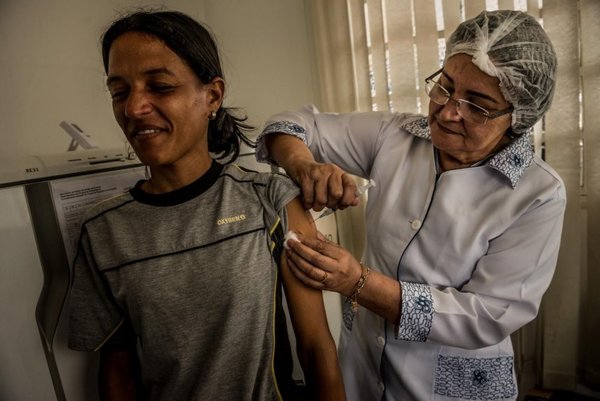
{"points": [[462, 143]]}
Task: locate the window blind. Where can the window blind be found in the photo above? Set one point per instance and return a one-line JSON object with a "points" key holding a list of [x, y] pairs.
{"points": [[404, 41]]}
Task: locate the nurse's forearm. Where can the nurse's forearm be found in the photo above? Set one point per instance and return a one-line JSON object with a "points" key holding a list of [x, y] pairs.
{"points": [[288, 151], [381, 294]]}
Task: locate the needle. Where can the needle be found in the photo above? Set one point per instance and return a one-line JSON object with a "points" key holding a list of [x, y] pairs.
{"points": [[359, 191]]}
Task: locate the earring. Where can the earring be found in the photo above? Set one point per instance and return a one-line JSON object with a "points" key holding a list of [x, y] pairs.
{"points": [[213, 115]]}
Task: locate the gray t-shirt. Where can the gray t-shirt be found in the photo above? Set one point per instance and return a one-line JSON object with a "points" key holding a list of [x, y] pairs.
{"points": [[190, 274]]}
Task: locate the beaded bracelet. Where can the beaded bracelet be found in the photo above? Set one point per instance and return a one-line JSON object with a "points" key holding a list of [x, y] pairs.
{"points": [[353, 299]]}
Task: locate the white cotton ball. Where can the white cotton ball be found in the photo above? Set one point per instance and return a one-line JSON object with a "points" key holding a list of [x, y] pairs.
{"points": [[289, 235]]}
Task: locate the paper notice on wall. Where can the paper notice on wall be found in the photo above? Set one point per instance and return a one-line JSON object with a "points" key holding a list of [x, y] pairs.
{"points": [[72, 196]]}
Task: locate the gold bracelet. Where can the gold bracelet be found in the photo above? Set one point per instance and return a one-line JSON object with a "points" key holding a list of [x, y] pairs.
{"points": [[353, 299]]}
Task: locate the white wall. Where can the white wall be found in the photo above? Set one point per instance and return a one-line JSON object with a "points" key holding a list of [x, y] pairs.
{"points": [[52, 71]]}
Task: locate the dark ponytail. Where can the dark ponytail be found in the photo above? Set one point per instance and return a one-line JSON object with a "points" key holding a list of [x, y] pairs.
{"points": [[194, 44], [225, 133]]}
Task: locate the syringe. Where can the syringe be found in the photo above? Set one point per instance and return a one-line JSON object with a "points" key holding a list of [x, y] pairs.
{"points": [[359, 191]]}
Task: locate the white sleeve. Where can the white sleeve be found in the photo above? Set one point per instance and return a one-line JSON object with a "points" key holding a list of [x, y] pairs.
{"points": [[504, 292], [349, 140]]}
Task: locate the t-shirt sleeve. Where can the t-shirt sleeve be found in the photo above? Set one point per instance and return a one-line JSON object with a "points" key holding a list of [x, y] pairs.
{"points": [[94, 314], [280, 191]]}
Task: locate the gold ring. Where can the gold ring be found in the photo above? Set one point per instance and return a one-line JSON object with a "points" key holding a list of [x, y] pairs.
{"points": [[324, 278]]}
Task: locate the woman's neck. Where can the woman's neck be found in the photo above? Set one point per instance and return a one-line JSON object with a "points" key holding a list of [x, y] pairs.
{"points": [[169, 178]]}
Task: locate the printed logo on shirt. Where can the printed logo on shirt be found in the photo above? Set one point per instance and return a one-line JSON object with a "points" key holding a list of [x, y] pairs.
{"points": [[232, 219]]}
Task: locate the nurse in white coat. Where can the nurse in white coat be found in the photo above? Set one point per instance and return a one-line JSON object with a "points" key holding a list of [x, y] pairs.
{"points": [[463, 225]]}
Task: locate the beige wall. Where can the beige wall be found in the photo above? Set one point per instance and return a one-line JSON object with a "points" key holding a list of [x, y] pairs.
{"points": [[51, 65], [266, 54]]}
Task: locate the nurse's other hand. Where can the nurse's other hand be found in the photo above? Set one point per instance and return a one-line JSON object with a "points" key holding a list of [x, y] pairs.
{"points": [[324, 185], [322, 264]]}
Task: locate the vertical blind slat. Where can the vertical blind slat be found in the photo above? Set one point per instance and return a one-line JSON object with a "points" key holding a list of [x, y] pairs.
{"points": [[335, 80], [561, 317], [361, 59], [590, 31], [533, 9], [378, 62], [402, 66], [473, 8], [452, 16], [427, 44]]}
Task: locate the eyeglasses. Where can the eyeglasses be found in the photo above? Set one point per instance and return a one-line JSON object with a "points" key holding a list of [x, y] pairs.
{"points": [[466, 110]]}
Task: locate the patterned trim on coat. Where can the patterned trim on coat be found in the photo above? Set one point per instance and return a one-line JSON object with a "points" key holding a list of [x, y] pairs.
{"points": [[348, 314], [418, 127], [514, 159], [475, 378], [286, 127], [283, 127], [417, 312]]}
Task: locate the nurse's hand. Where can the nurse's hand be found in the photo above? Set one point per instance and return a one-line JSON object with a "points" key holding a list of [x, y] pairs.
{"points": [[323, 264], [324, 185]]}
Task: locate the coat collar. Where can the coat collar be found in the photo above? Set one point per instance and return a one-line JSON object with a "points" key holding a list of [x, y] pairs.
{"points": [[512, 161]]}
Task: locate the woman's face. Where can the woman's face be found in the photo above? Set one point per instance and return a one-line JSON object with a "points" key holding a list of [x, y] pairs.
{"points": [[158, 101], [462, 143]]}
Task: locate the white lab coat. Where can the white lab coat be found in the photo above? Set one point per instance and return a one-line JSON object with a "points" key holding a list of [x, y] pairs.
{"points": [[474, 250]]}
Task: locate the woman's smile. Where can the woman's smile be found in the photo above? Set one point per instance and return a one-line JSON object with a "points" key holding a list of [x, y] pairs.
{"points": [[145, 131]]}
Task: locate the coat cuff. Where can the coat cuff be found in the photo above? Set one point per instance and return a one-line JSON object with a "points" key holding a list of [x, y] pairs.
{"points": [[279, 127], [417, 312]]}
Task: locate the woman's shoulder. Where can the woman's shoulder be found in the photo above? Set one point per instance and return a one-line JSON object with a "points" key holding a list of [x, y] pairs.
{"points": [[105, 205], [524, 169], [245, 174], [412, 125], [546, 173], [274, 187]]}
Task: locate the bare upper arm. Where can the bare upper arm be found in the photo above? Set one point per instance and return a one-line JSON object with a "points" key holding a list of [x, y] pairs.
{"points": [[305, 304]]}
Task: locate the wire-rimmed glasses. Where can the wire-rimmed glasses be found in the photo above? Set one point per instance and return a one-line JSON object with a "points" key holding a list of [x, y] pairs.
{"points": [[467, 110]]}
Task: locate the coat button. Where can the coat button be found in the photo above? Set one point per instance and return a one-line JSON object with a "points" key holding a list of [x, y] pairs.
{"points": [[381, 341], [415, 224]]}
